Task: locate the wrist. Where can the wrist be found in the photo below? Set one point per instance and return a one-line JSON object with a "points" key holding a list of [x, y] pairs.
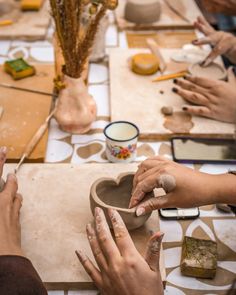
{"points": [[225, 189]]}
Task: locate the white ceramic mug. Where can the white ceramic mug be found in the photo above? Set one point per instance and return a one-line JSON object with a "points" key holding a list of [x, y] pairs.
{"points": [[121, 141]]}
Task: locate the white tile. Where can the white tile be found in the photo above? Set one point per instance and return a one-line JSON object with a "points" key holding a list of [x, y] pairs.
{"points": [[112, 36], [83, 139], [19, 43], [97, 73], [42, 54], [123, 40], [55, 132], [100, 94], [58, 151], [4, 47]]}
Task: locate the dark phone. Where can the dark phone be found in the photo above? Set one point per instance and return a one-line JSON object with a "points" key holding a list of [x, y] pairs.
{"points": [[178, 213], [203, 150]]}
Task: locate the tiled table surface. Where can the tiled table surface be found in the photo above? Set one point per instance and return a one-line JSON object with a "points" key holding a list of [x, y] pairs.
{"points": [[77, 149]]}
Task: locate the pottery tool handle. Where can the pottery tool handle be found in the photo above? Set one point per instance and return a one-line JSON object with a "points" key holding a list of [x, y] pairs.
{"points": [[2, 183], [35, 139], [156, 51], [6, 22], [171, 76]]}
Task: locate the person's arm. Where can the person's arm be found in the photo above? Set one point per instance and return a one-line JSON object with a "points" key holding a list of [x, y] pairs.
{"points": [[121, 269], [223, 43], [185, 187], [17, 274], [220, 6], [209, 98]]}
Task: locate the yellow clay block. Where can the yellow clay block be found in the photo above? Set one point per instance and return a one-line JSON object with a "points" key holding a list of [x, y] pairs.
{"points": [[31, 4], [145, 64]]}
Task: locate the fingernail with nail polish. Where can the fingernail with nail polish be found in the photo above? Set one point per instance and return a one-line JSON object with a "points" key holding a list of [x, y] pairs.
{"points": [[184, 108], [175, 81], [140, 211], [175, 90]]}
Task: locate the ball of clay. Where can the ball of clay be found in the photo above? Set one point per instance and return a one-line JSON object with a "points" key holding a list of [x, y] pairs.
{"points": [[142, 11], [144, 64], [168, 111]]}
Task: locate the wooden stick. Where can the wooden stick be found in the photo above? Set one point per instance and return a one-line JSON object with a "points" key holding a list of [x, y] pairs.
{"points": [[1, 112], [35, 139], [171, 76], [156, 51], [6, 22], [25, 89]]}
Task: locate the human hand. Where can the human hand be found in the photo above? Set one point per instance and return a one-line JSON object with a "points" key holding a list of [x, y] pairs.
{"points": [[223, 43], [210, 98], [220, 6], [10, 204], [121, 269], [185, 187]]}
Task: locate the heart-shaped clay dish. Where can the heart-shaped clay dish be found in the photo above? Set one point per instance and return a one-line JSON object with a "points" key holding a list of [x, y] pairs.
{"points": [[109, 193]]}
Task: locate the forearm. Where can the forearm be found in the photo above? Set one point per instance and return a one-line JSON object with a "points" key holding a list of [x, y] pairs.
{"points": [[231, 55], [18, 276], [225, 189]]}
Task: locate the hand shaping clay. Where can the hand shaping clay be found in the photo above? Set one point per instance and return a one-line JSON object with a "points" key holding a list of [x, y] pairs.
{"points": [[142, 11], [108, 193], [145, 64]]}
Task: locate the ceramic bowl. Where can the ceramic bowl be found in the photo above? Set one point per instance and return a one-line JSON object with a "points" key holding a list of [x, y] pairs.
{"points": [[109, 193], [142, 11], [213, 71], [121, 141]]}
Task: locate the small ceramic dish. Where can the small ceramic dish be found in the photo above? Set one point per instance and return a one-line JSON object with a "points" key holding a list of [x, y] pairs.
{"points": [[213, 71], [109, 193], [142, 12]]}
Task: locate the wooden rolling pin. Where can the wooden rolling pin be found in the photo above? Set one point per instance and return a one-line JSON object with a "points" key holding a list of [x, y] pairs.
{"points": [[35, 139], [156, 51]]}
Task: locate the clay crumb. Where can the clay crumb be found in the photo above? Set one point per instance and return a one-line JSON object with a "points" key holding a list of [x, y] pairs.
{"points": [[168, 111], [162, 92]]}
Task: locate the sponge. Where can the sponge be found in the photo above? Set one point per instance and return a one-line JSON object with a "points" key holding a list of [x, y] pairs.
{"points": [[31, 4], [19, 68]]}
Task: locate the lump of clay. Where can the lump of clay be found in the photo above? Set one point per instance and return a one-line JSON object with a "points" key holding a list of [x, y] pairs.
{"points": [[144, 64], [142, 12], [168, 111], [108, 193]]}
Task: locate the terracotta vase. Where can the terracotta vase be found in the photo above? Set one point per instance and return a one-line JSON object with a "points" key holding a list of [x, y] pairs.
{"points": [[76, 108]]}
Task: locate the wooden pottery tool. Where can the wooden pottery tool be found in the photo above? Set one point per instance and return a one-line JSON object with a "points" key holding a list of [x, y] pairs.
{"points": [[1, 112], [6, 22], [176, 7], [35, 139], [171, 76], [156, 51], [2, 183], [25, 89]]}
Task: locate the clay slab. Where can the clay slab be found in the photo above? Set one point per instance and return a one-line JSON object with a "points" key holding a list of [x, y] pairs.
{"points": [[137, 99], [54, 215]]}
